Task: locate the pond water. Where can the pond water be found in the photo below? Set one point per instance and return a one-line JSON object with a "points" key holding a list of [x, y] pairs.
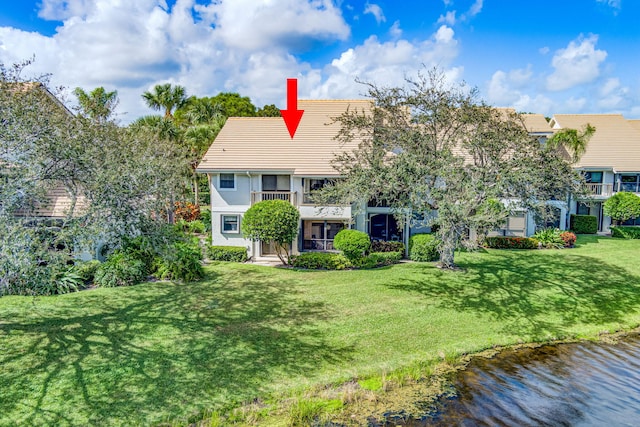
{"points": [[580, 384]]}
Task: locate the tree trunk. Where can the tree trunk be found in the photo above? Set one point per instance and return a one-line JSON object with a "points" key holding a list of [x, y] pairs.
{"points": [[449, 238]]}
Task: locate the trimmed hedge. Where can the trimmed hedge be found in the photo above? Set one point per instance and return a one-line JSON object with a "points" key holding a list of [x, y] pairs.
{"points": [[502, 242], [423, 248], [387, 246], [583, 224], [354, 244], [227, 253], [625, 232], [321, 261]]}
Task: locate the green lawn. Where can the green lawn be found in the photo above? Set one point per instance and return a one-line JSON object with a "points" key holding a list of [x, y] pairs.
{"points": [[161, 352]]}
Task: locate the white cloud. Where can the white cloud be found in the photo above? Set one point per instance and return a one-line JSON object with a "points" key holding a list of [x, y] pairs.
{"points": [[131, 46], [504, 88], [387, 63], [615, 4], [449, 18], [259, 24], [475, 9], [613, 96], [544, 50], [376, 11], [395, 31], [576, 64]]}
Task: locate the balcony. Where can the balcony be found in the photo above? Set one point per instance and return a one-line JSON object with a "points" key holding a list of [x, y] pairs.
{"points": [[604, 190], [259, 196]]}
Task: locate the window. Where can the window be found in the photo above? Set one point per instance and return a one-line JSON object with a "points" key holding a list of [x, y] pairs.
{"points": [[230, 223], [227, 181], [593, 177], [276, 183], [310, 185]]}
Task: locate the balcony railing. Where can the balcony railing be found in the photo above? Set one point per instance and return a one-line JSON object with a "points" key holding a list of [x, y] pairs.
{"points": [[632, 187], [605, 190], [259, 196]]}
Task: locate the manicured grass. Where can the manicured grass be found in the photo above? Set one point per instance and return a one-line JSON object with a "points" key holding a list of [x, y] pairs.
{"points": [[161, 352]]}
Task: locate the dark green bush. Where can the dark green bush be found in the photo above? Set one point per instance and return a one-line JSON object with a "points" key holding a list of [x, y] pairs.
{"points": [[321, 261], [354, 244], [180, 261], [379, 259], [584, 224], [625, 232], [387, 246], [423, 247], [227, 253], [120, 269], [501, 242], [86, 270], [205, 217]]}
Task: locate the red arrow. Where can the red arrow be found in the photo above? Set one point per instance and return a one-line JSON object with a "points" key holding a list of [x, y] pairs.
{"points": [[292, 115]]}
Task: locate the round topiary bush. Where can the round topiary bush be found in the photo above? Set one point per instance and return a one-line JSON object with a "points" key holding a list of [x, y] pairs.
{"points": [[354, 244]]}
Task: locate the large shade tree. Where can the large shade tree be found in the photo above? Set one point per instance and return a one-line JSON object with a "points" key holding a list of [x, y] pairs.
{"points": [[432, 146], [119, 182]]}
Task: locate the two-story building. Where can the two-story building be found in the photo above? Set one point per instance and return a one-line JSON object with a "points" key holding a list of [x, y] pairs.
{"points": [[610, 164], [255, 159]]}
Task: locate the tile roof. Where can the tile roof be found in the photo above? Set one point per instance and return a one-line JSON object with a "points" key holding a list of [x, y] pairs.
{"points": [[264, 144], [614, 145]]}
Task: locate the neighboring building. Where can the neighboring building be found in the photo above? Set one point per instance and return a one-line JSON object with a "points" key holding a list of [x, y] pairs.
{"points": [[610, 164]]}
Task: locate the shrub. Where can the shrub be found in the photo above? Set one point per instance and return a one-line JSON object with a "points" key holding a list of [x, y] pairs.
{"points": [[180, 261], [622, 206], [186, 211], [379, 259], [354, 244], [625, 232], [384, 246], [568, 238], [120, 269], [272, 221], [423, 247], [507, 242], [205, 217], [68, 281], [321, 261], [86, 270], [583, 224], [549, 238], [141, 248], [196, 226], [227, 253]]}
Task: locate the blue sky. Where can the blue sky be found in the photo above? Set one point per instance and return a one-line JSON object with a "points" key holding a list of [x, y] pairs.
{"points": [[547, 57]]}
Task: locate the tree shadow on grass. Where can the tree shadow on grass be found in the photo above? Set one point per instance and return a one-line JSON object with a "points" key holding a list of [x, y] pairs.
{"points": [[535, 295], [160, 351]]}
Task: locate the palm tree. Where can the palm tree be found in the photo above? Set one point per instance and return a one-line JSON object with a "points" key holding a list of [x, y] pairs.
{"points": [[98, 104], [573, 141], [167, 97]]}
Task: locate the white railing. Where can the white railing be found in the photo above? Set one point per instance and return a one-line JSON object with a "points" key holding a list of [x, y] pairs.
{"points": [[605, 190], [259, 196]]}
